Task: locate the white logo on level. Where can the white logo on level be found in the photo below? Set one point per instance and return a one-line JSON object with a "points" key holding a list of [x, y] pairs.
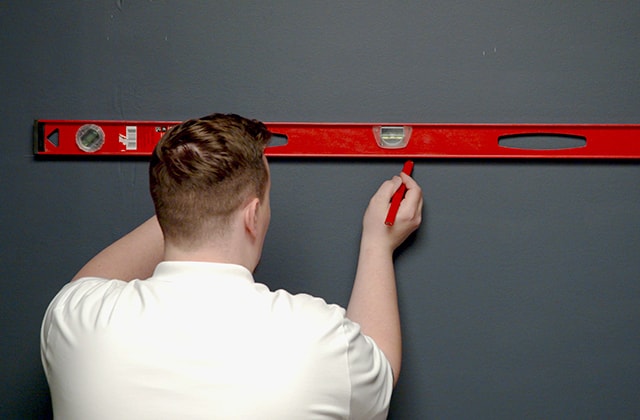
{"points": [[130, 138]]}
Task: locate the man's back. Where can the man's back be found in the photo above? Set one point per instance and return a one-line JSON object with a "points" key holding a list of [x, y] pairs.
{"points": [[202, 340]]}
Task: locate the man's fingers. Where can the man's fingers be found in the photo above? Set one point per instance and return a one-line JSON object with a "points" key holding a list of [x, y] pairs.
{"points": [[411, 206], [414, 193], [409, 181], [388, 189]]}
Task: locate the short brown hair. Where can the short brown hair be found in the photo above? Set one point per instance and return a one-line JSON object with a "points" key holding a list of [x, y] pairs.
{"points": [[202, 170]]}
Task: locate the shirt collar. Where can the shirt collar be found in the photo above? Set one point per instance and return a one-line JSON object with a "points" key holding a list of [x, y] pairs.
{"points": [[192, 270]]}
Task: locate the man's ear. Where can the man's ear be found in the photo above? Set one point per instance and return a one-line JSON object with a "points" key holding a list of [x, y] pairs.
{"points": [[251, 216]]}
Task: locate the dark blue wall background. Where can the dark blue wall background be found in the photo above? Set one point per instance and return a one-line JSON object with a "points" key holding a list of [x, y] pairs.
{"points": [[520, 295]]}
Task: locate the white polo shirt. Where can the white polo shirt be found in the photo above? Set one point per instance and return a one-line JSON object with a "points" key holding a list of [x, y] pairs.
{"points": [[204, 341]]}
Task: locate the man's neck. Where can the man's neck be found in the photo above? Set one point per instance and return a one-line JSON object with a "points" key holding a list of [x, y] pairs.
{"points": [[214, 254]]}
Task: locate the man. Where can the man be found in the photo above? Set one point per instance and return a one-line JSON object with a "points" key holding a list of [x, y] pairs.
{"points": [[198, 337]]}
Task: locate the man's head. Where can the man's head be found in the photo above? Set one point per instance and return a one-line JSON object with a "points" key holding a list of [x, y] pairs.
{"points": [[204, 170]]}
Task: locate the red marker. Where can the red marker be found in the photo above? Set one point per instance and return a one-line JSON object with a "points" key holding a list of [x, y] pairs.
{"points": [[398, 196]]}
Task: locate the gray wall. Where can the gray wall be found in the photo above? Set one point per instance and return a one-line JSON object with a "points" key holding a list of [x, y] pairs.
{"points": [[520, 295]]}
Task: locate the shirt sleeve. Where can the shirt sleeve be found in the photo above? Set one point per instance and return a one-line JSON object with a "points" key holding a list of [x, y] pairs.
{"points": [[370, 375]]}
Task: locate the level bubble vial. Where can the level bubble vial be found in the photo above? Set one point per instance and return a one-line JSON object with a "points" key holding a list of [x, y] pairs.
{"points": [[392, 137], [90, 138]]}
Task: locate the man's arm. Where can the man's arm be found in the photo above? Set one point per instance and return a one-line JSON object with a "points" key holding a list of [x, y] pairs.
{"points": [[374, 302], [134, 256]]}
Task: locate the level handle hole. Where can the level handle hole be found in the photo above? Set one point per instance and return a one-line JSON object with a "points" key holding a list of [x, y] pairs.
{"points": [[542, 141], [278, 139]]}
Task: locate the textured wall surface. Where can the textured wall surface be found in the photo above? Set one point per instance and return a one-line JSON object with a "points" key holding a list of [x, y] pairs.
{"points": [[520, 295]]}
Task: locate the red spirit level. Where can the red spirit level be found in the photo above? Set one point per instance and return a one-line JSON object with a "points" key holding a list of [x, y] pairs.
{"points": [[361, 140]]}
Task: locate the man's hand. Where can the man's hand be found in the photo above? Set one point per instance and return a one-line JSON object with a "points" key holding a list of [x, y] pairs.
{"points": [[408, 218]]}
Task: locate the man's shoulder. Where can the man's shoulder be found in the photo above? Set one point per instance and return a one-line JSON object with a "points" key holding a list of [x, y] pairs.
{"points": [[304, 304], [84, 287], [310, 317], [85, 299]]}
